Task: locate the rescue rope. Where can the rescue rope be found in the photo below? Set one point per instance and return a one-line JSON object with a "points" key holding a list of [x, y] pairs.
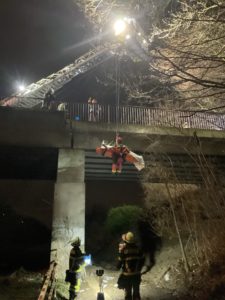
{"points": [[117, 92]]}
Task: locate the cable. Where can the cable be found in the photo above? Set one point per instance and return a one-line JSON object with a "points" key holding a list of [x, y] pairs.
{"points": [[117, 64]]}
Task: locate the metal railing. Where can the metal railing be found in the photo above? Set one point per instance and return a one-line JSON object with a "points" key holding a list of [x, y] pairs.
{"points": [[144, 116]]}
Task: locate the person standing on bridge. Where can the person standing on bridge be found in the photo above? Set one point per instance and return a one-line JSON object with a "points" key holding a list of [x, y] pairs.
{"points": [[76, 265], [49, 100], [130, 260], [90, 109], [93, 110]]}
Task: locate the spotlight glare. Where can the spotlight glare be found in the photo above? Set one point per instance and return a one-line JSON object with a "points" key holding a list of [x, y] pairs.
{"points": [[119, 27], [21, 87]]}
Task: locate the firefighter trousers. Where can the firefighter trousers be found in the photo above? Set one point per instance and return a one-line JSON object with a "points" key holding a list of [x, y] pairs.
{"points": [[132, 288], [74, 289]]}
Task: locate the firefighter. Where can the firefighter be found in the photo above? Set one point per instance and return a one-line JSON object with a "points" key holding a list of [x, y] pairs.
{"points": [[119, 152], [49, 100], [76, 265], [130, 261]]}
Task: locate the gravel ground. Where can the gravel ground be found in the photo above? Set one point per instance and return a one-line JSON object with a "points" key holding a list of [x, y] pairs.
{"points": [[20, 286], [90, 287], [26, 286]]}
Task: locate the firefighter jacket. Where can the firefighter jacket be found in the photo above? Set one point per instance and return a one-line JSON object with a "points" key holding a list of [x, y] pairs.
{"points": [[130, 259], [76, 258]]}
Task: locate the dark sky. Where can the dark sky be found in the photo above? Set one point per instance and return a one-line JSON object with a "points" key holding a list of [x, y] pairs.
{"points": [[38, 37]]}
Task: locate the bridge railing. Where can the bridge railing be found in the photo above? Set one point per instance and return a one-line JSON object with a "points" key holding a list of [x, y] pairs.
{"points": [[134, 115]]}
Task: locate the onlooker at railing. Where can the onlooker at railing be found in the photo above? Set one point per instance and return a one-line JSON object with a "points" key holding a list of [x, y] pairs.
{"points": [[62, 107], [93, 110], [90, 109]]}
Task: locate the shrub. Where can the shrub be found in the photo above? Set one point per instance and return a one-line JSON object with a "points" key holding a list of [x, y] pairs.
{"points": [[123, 218]]}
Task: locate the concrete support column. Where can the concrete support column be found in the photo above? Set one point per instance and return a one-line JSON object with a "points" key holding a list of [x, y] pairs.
{"points": [[69, 206]]}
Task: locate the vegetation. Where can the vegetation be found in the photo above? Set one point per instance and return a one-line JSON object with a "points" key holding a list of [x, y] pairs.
{"points": [[186, 62], [188, 54], [194, 214], [123, 218]]}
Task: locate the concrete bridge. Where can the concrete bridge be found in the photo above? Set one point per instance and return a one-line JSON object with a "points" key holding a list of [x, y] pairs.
{"points": [[68, 141]]}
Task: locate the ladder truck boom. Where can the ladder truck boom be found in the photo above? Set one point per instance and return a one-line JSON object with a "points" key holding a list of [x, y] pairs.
{"points": [[34, 93], [133, 43]]}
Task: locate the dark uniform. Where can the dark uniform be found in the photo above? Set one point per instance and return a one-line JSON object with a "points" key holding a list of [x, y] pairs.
{"points": [[130, 260], [49, 100], [76, 264]]}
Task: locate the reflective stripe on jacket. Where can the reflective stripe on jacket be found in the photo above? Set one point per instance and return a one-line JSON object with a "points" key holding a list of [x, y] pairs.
{"points": [[130, 259]]}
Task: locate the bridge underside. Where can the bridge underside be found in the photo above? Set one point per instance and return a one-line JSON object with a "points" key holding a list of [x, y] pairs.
{"points": [[34, 163], [181, 168], [41, 163]]}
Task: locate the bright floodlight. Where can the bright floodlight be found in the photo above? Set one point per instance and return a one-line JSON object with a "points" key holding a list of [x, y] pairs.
{"points": [[119, 27], [21, 87]]}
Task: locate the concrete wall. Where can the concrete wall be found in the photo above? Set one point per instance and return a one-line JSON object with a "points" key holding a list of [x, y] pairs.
{"points": [[69, 206], [87, 135], [33, 128], [49, 129], [29, 198]]}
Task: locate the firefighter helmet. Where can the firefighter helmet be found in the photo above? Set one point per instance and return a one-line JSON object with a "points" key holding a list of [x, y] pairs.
{"points": [[128, 237], [76, 242]]}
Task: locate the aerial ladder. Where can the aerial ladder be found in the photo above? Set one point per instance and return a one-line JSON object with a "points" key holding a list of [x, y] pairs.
{"points": [[33, 95]]}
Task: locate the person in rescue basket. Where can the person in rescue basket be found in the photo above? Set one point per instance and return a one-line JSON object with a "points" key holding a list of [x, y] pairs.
{"points": [[130, 261], [119, 152]]}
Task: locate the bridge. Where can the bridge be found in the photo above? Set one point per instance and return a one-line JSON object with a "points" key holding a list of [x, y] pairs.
{"points": [[164, 137], [68, 140], [123, 117], [61, 145]]}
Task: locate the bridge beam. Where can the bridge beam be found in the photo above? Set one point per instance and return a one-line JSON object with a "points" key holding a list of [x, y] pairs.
{"points": [[87, 135], [69, 206]]}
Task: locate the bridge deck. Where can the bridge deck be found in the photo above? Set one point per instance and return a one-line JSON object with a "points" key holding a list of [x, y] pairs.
{"points": [[50, 130]]}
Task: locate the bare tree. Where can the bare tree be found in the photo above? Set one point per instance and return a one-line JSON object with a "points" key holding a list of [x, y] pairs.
{"points": [[192, 212], [186, 50], [188, 53]]}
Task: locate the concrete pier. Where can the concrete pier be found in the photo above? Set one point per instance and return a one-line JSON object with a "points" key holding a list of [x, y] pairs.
{"points": [[69, 206]]}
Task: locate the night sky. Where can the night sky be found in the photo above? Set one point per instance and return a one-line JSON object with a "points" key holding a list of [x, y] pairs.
{"points": [[38, 37]]}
